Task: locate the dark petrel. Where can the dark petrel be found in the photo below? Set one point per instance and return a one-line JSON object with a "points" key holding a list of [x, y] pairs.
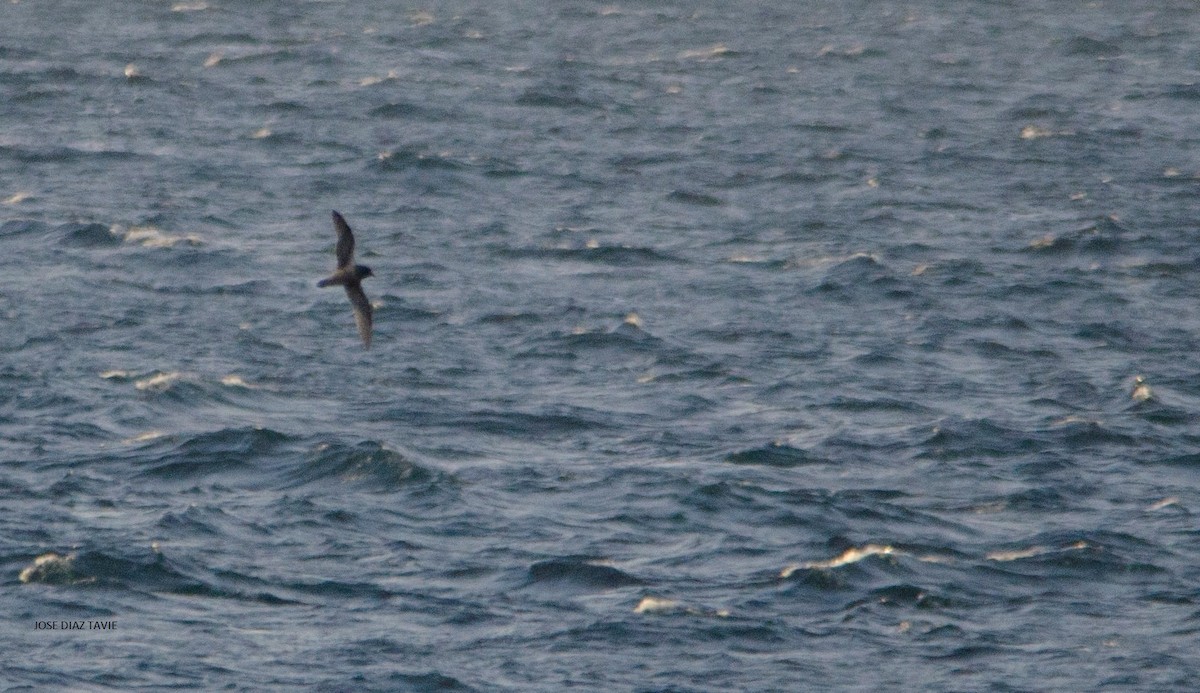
{"points": [[350, 276]]}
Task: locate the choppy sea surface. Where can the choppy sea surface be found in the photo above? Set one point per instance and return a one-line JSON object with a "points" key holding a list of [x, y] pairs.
{"points": [[720, 346]]}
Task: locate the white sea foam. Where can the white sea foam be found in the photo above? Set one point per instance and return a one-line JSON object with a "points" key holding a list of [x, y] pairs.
{"points": [[662, 605], [151, 237], [144, 437], [851, 555], [51, 568], [158, 382], [1033, 551]]}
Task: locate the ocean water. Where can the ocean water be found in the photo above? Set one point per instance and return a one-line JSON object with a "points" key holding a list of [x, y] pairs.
{"points": [[719, 346]]}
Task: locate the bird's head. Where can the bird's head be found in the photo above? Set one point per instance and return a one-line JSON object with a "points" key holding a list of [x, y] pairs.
{"points": [[362, 271]]}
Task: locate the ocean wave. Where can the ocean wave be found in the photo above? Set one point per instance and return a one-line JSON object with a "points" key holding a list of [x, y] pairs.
{"points": [[54, 569], [152, 237], [565, 421], [426, 682], [148, 572], [856, 274], [699, 199], [22, 227], [1061, 556], [189, 390], [775, 454], [406, 159], [84, 235], [620, 342], [619, 255], [556, 96], [67, 154], [368, 466], [220, 454], [958, 438], [659, 606], [580, 574], [405, 110]]}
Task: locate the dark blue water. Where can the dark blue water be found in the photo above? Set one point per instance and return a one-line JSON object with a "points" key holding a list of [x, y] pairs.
{"points": [[719, 346]]}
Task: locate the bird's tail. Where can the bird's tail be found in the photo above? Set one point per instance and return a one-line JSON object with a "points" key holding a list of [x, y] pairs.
{"points": [[328, 281]]}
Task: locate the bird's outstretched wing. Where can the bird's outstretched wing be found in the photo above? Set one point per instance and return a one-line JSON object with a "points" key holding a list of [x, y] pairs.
{"points": [[345, 242], [362, 312]]}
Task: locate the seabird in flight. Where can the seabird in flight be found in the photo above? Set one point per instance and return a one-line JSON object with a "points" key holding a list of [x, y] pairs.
{"points": [[350, 276]]}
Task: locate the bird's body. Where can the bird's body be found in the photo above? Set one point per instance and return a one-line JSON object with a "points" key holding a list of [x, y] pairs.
{"points": [[350, 276]]}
